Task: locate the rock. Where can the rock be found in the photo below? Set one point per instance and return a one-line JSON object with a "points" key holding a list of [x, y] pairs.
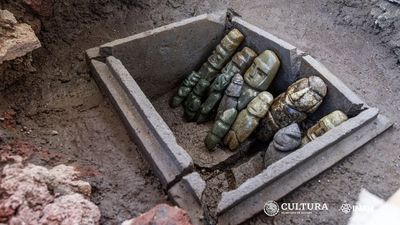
{"points": [[70, 209], [36, 195], [287, 138], [7, 20], [54, 132], [162, 214], [41, 7], [15, 42]]}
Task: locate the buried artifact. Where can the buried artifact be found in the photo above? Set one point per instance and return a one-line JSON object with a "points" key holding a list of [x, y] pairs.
{"points": [[220, 128], [248, 120], [239, 63], [212, 66], [285, 140], [258, 77], [193, 101], [231, 96], [325, 124], [302, 97]]}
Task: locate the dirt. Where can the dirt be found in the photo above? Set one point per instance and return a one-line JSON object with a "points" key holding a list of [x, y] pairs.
{"points": [[59, 108]]}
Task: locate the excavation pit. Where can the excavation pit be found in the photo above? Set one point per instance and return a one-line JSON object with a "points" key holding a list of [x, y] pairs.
{"points": [[140, 73]]}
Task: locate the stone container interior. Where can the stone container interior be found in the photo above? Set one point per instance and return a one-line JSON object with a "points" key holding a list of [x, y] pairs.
{"points": [[159, 62], [159, 59]]}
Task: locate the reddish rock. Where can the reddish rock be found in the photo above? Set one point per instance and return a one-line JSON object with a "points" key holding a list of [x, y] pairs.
{"points": [[41, 7], [36, 195], [162, 214]]}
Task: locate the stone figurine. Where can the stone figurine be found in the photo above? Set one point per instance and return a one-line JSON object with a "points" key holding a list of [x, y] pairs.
{"points": [[325, 124], [212, 66], [184, 90], [220, 128], [193, 101], [258, 77], [302, 97], [239, 63], [231, 96], [248, 119], [285, 140]]}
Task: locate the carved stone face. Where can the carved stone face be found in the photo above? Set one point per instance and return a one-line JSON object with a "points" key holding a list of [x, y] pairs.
{"points": [[192, 80], [306, 94], [221, 82], [243, 59], [263, 70], [259, 105], [225, 49], [235, 87]]}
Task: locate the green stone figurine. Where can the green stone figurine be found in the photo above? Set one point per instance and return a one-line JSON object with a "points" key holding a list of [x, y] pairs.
{"points": [[248, 119], [239, 63], [220, 128], [232, 94], [325, 124], [258, 77], [193, 101], [302, 97], [185, 89], [220, 56]]}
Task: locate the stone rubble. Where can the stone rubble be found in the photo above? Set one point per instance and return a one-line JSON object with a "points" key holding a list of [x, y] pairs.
{"points": [[35, 195]]}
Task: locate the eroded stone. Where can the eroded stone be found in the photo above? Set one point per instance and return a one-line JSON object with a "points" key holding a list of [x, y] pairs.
{"points": [[302, 97]]}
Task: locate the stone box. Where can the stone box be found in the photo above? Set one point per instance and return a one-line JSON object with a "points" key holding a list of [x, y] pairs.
{"points": [[140, 73]]}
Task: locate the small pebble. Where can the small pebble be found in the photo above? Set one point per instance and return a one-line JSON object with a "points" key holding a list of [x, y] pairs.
{"points": [[54, 132]]}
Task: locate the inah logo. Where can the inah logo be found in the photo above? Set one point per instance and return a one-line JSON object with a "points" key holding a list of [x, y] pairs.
{"points": [[346, 208], [271, 208]]}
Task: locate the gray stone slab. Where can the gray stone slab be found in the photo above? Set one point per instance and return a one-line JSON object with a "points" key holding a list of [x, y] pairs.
{"points": [[248, 169], [196, 185], [300, 166], [93, 53], [164, 163], [171, 156], [166, 54], [185, 194]]}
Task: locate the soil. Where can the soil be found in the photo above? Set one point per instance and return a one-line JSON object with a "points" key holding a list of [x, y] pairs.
{"points": [[60, 110]]}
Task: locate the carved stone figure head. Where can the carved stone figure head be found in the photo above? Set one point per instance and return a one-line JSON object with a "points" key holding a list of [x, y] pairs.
{"points": [[226, 48], [260, 104], [235, 87], [263, 70], [306, 94], [244, 58], [221, 82]]}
